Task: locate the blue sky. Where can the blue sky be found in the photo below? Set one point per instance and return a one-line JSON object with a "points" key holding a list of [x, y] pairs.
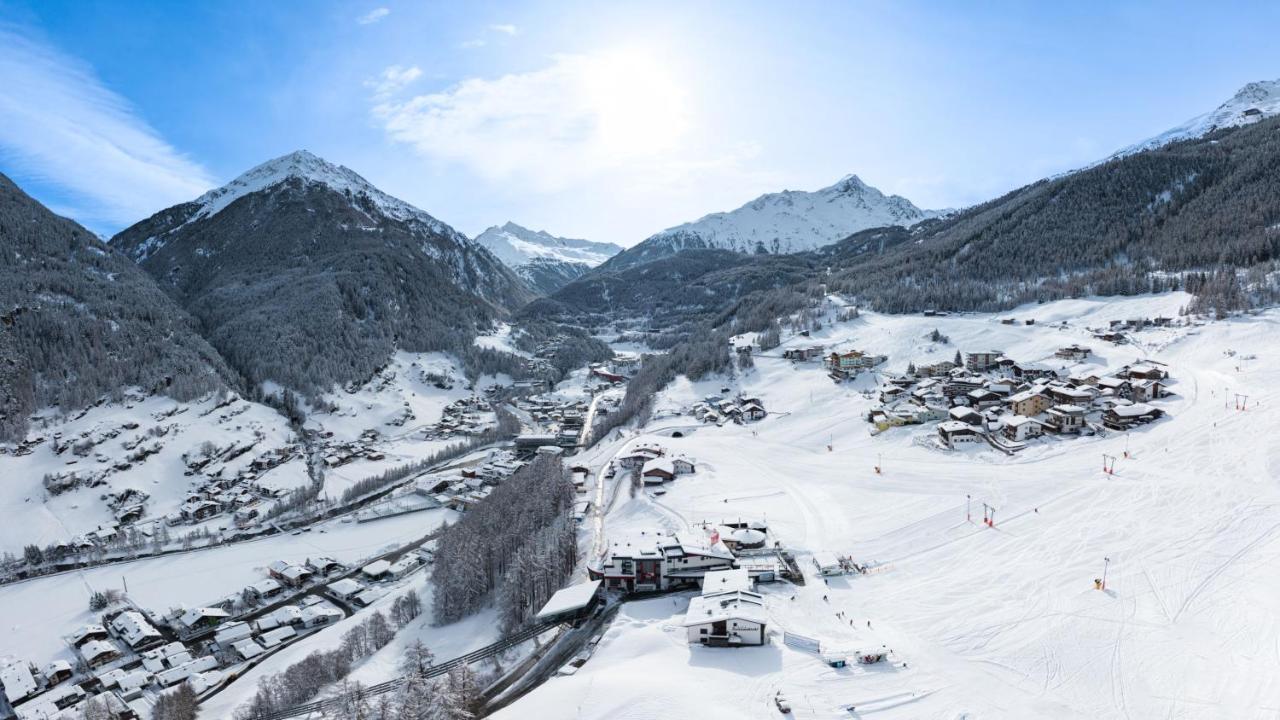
{"points": [[608, 121]]}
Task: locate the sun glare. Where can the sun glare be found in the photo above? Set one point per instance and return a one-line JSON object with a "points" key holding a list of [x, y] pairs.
{"points": [[640, 104]]}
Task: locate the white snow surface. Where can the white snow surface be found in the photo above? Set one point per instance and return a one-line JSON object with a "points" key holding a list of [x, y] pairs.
{"points": [[999, 622], [1262, 96], [518, 246], [311, 168], [796, 220]]}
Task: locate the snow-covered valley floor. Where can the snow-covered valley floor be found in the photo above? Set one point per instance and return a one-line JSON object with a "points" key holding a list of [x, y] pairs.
{"points": [[999, 622]]}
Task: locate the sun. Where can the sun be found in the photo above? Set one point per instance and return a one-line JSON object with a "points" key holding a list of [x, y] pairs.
{"points": [[639, 102]]}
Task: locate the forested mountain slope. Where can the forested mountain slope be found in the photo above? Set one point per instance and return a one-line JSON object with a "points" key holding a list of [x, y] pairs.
{"points": [[303, 273], [1199, 205], [79, 320]]}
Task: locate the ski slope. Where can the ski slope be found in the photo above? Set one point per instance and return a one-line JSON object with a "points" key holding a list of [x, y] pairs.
{"points": [[999, 622]]}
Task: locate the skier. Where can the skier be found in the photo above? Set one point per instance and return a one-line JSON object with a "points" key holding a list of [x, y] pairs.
{"points": [[868, 624]]}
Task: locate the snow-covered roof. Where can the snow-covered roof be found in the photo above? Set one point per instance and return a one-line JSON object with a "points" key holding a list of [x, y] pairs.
{"points": [[232, 632], [1134, 410], [716, 581], [17, 680], [97, 648], [570, 599], [277, 636], [345, 587], [731, 605], [85, 631], [195, 615], [133, 628], [376, 568], [248, 648], [661, 464]]}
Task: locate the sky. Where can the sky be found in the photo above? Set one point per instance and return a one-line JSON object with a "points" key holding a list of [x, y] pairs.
{"points": [[605, 121]]}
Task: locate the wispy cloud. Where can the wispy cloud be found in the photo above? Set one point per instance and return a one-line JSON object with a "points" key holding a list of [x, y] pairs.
{"points": [[393, 80], [505, 29], [60, 124], [373, 16], [473, 43], [623, 116]]}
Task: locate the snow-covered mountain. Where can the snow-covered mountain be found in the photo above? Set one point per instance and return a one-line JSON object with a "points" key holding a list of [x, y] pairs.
{"points": [[545, 261], [516, 246], [1253, 102], [785, 222], [303, 273]]}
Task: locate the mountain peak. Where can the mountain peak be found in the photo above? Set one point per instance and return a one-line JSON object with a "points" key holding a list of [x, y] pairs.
{"points": [[1253, 102], [848, 183], [310, 168]]}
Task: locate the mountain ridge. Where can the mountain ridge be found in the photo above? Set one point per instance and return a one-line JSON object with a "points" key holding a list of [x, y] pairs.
{"points": [[783, 222]]}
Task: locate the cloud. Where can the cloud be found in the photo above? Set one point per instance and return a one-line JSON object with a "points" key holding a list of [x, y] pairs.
{"points": [[473, 43], [505, 29], [373, 16], [392, 80], [555, 126], [63, 127]]}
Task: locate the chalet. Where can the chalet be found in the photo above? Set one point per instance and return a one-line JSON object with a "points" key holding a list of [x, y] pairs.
{"points": [[979, 361], [247, 649], [939, 369], [682, 465], [265, 589], [727, 619], [982, 398], [1123, 417], [1065, 419], [661, 468], [968, 416], [802, 354], [1117, 387], [1144, 390], [753, 411], [289, 574], [658, 562], [57, 671], [638, 456], [278, 636], [200, 618], [199, 510], [318, 615], [1075, 353], [284, 615], [345, 589], [1032, 371], [324, 565], [952, 432], [1067, 395], [377, 570], [889, 393], [232, 632], [86, 633], [56, 704], [1020, 427], [97, 653], [134, 629], [1146, 372], [17, 677], [1028, 402]]}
